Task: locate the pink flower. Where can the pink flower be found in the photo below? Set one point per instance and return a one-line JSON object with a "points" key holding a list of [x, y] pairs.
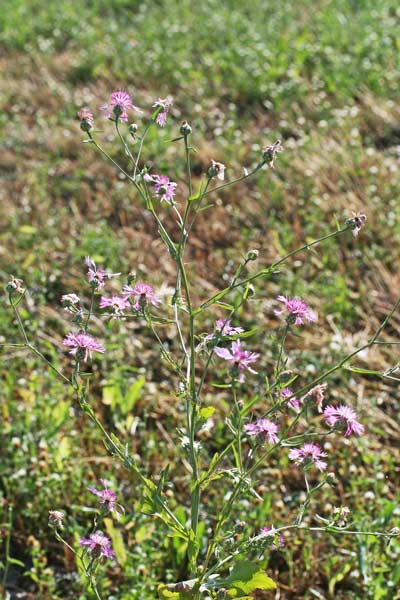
{"points": [[118, 105], [270, 152], [165, 104], [271, 532], [99, 544], [56, 518], [286, 393], [317, 394], [223, 326], [117, 303], [83, 343], [163, 186], [263, 428], [297, 310], [143, 293], [108, 498], [240, 359], [216, 169], [86, 119], [97, 277], [309, 454], [345, 417]]}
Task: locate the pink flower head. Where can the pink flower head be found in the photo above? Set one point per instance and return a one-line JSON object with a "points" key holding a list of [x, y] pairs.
{"points": [[164, 188], [240, 359], [118, 105], [86, 119], [317, 394], [270, 152], [165, 104], [309, 454], [345, 417], [271, 532], [98, 544], [297, 310], [117, 304], [224, 327], [143, 293], [286, 393], [83, 343], [216, 169], [56, 518], [97, 277], [108, 498], [263, 428]]}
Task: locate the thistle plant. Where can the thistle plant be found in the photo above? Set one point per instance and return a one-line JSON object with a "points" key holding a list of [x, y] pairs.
{"points": [[291, 416]]}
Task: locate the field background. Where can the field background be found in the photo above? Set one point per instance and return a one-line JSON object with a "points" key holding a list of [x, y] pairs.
{"points": [[324, 78]]}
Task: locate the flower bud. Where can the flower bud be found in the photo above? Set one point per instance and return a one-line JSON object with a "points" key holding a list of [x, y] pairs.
{"points": [[269, 152], [240, 526], [131, 277], [185, 128], [86, 119], [133, 129], [252, 255]]}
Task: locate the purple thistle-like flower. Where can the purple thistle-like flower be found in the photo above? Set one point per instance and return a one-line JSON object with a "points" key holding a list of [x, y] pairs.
{"points": [[117, 304], [345, 417], [224, 327], [357, 223], [164, 188], [271, 532], [241, 359], [165, 104], [84, 343], [97, 277], [118, 105], [309, 454], [263, 428], [108, 498], [286, 393], [143, 293], [56, 518], [98, 544], [298, 311]]}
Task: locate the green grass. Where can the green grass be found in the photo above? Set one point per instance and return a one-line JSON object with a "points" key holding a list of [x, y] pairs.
{"points": [[321, 76]]}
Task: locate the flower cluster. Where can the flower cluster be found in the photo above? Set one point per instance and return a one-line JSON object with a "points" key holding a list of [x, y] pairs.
{"points": [[82, 344], [118, 105], [343, 417], [98, 544], [297, 311], [97, 277], [309, 454], [164, 188], [225, 329], [108, 498], [164, 104], [263, 428], [239, 358]]}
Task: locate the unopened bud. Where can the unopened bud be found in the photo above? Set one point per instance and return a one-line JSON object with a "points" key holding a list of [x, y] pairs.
{"points": [[240, 526], [185, 128], [252, 255], [331, 479], [131, 277], [133, 129]]}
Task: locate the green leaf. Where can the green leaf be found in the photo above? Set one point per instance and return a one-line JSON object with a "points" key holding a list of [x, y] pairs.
{"points": [[247, 577], [133, 395], [117, 541], [164, 592], [206, 412]]}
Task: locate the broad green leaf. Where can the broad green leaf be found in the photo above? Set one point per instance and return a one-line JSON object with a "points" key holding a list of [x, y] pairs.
{"points": [[247, 577], [132, 396], [117, 541], [206, 412]]}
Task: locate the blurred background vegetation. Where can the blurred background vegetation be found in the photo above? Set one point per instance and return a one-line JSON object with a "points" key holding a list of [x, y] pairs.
{"points": [[324, 78]]}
